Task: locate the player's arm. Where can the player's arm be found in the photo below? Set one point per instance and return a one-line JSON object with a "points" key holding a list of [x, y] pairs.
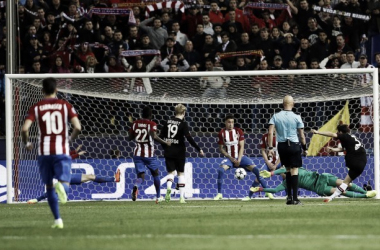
{"points": [[327, 133], [303, 140], [25, 134], [270, 140], [241, 152], [266, 158], [77, 127], [190, 139], [157, 138], [224, 152], [330, 149]]}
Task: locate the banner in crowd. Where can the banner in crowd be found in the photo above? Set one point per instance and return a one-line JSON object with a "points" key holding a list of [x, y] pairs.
{"points": [[176, 5], [240, 53], [319, 142], [341, 13], [114, 11], [261, 5], [133, 53]]}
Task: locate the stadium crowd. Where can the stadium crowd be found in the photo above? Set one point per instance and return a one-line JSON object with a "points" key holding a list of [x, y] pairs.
{"points": [[107, 36]]}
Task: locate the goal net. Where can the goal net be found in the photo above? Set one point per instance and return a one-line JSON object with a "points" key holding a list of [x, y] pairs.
{"points": [[108, 103]]}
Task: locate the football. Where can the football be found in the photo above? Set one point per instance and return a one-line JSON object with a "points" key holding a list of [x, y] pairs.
{"points": [[240, 173]]}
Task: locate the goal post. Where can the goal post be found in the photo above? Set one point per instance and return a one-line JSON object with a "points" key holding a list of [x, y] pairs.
{"points": [[106, 102]]}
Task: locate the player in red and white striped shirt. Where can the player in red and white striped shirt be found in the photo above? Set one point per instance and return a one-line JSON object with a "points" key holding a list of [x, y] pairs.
{"points": [[53, 117], [231, 145], [143, 131]]}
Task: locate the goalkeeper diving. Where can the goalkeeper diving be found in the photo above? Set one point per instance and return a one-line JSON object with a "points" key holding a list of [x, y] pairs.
{"points": [[323, 184]]}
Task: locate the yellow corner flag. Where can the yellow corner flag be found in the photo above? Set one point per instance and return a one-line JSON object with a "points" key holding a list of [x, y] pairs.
{"points": [[318, 141]]}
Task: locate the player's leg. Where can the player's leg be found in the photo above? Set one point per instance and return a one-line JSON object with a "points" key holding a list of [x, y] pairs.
{"points": [[76, 179], [38, 199], [152, 165], [224, 165], [180, 167], [286, 160], [255, 170], [140, 172], [351, 186], [294, 177], [62, 169], [170, 168], [99, 179]]}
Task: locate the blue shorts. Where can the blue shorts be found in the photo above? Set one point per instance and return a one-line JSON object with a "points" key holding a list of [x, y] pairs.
{"points": [[245, 162], [265, 167], [76, 179], [141, 162], [54, 166]]}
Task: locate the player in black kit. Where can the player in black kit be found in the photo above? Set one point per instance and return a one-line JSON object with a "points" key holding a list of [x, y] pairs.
{"points": [[175, 130], [355, 158]]}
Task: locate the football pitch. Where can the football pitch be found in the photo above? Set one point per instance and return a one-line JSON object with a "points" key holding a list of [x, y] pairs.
{"points": [[230, 224]]}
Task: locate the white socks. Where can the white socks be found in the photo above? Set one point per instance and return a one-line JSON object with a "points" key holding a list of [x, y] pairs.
{"points": [[181, 184], [339, 190], [169, 181]]}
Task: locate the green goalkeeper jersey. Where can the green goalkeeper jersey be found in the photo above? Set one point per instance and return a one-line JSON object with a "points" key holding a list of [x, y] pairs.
{"points": [[306, 179]]}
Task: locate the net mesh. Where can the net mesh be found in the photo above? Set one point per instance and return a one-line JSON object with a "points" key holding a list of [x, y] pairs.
{"points": [[106, 107]]}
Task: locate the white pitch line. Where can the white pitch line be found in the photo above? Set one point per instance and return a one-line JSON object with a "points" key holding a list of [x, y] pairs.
{"points": [[194, 236]]}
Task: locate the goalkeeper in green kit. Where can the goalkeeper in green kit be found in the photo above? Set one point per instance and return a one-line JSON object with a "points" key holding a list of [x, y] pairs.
{"points": [[322, 184]]}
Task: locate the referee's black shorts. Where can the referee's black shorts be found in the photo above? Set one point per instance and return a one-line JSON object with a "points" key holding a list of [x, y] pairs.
{"points": [[356, 165], [175, 164], [290, 154]]}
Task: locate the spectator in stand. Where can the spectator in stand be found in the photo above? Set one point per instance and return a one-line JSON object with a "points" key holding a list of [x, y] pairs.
{"points": [[343, 58], [191, 20], [330, 62], [178, 60], [29, 5], [320, 49], [277, 63], [303, 54], [133, 38], [157, 34], [208, 29], [215, 15], [177, 45], [267, 45], [352, 31], [117, 43], [239, 15], [293, 64], [37, 24], [191, 55], [217, 33], [234, 33], [314, 63], [377, 59], [137, 12], [245, 45], [232, 20], [167, 22], [199, 38], [36, 68], [46, 42], [301, 13], [285, 27], [51, 25], [254, 34], [267, 22], [242, 65], [193, 68], [112, 21], [80, 57], [91, 66], [169, 48], [209, 48], [263, 85], [173, 68], [296, 32], [57, 8], [227, 46], [88, 33], [113, 65], [332, 30], [351, 63], [341, 46], [181, 38], [374, 10], [312, 32], [276, 35], [302, 64], [34, 52], [59, 67], [32, 32], [107, 36]]}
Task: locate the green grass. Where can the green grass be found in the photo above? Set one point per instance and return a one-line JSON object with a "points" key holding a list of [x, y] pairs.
{"points": [[259, 224]]}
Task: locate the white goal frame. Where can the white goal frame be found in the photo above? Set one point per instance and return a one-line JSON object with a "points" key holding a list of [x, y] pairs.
{"points": [[9, 107]]}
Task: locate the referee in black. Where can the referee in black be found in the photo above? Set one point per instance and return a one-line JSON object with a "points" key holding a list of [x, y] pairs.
{"points": [[287, 124]]}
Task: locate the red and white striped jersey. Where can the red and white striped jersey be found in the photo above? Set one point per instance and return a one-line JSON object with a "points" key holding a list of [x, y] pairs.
{"points": [[230, 139], [53, 116], [141, 131], [264, 144]]}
